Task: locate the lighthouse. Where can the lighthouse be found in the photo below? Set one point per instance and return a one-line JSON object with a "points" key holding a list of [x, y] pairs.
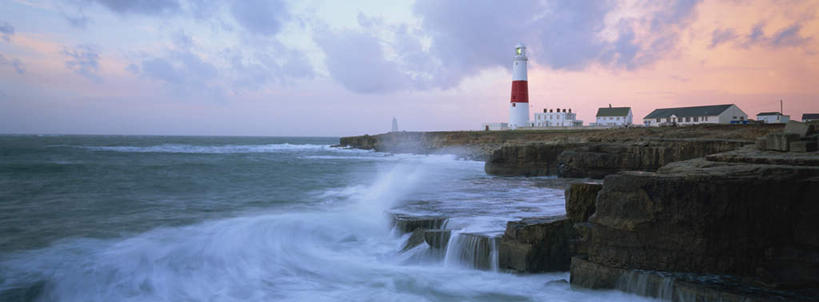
{"points": [[519, 105]]}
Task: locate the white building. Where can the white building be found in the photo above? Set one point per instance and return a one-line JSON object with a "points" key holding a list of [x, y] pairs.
{"points": [[614, 116], [519, 103], [772, 117], [715, 114], [394, 125], [556, 118]]}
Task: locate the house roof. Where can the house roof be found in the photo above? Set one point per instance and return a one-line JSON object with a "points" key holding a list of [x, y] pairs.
{"points": [[810, 116], [689, 111], [768, 113], [613, 111]]}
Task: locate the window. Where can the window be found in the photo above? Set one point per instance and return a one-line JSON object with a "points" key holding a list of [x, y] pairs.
{"points": [[687, 119], [658, 119], [696, 119]]}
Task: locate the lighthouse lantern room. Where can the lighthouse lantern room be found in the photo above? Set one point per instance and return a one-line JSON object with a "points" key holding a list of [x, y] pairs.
{"points": [[519, 105]]}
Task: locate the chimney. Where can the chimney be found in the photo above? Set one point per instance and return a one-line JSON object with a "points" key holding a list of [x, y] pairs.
{"points": [[570, 110], [544, 110], [609, 105]]}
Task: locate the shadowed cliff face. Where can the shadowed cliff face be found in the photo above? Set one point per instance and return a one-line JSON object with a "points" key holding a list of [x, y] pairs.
{"points": [[742, 213]]}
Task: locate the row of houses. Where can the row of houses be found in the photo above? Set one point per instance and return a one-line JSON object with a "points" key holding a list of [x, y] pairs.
{"points": [[712, 114], [623, 117]]}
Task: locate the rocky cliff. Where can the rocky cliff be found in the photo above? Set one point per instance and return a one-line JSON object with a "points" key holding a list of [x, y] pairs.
{"points": [[721, 215], [480, 144]]}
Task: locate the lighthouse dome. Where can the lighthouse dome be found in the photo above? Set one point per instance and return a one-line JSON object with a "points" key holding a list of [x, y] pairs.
{"points": [[520, 49]]}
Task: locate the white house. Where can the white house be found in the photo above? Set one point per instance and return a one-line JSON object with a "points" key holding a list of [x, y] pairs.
{"points": [[614, 116], [556, 118], [714, 114], [772, 117]]}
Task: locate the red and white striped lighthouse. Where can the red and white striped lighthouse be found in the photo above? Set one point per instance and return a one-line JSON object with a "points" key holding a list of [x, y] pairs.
{"points": [[519, 105]]}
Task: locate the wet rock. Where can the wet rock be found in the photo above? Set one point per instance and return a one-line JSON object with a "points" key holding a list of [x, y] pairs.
{"points": [[752, 220], [473, 250], [580, 200], [416, 239], [407, 223], [437, 238], [676, 286], [525, 160], [537, 245]]}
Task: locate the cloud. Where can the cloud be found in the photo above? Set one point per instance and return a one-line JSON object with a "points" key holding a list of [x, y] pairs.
{"points": [[6, 31], [142, 7], [790, 36], [457, 39], [264, 17], [720, 36], [14, 62], [78, 20], [183, 73], [356, 60], [83, 60]]}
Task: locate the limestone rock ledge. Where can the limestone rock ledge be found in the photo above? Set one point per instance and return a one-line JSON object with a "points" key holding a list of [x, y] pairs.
{"points": [[681, 287], [746, 214]]}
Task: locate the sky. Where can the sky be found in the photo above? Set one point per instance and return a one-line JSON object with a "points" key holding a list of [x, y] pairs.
{"points": [[335, 68]]}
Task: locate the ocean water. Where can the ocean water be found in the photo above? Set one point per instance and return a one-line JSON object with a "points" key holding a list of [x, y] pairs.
{"points": [[131, 218]]}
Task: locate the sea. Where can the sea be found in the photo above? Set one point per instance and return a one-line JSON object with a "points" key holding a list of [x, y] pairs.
{"points": [[172, 218]]}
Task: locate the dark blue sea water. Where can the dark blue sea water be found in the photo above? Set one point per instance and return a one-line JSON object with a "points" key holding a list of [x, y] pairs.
{"points": [[150, 218]]}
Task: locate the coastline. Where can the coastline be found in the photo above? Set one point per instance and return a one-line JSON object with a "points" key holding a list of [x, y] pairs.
{"points": [[705, 213]]}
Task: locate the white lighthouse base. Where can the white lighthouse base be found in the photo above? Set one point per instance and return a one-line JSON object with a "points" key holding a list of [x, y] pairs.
{"points": [[518, 115]]}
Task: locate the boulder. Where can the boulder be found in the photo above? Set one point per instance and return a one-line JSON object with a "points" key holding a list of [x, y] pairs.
{"points": [[580, 200], [537, 245]]}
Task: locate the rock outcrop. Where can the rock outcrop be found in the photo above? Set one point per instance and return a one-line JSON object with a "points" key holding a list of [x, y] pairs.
{"points": [[746, 213], [599, 160], [479, 145], [682, 287], [580, 201], [537, 245], [408, 223], [526, 160]]}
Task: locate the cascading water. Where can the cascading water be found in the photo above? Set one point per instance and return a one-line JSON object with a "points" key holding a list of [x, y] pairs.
{"points": [[471, 250], [648, 284]]}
